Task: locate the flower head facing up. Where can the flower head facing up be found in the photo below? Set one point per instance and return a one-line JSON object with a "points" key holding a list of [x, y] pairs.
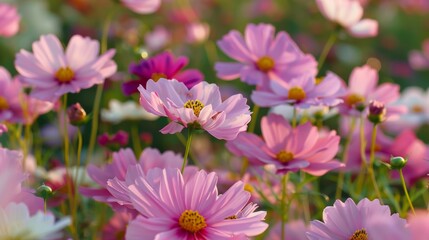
{"points": [[9, 20], [164, 65], [262, 57], [51, 72], [198, 107], [289, 149], [189, 207], [348, 13], [365, 220]]}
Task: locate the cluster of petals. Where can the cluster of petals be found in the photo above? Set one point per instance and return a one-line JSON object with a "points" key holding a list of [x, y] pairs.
{"points": [[262, 57], [118, 168], [289, 149], [179, 207], [9, 20], [365, 220], [164, 65], [51, 72], [142, 6], [348, 14], [303, 92], [420, 59], [198, 107]]}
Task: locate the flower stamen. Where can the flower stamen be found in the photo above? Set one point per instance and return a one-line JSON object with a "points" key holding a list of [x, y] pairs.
{"points": [[359, 235], [156, 76], [284, 156], [353, 99], [265, 64], [3, 104], [192, 221], [296, 93], [64, 75], [195, 105]]}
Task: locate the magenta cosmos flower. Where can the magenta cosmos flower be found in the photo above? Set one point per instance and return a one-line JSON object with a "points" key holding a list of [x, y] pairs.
{"points": [[191, 208], [303, 92], [289, 149], [142, 6], [366, 220], [163, 65], [262, 57], [9, 20], [348, 14], [122, 161], [199, 107], [363, 89], [51, 72]]}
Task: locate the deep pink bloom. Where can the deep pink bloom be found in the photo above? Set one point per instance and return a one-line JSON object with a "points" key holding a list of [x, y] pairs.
{"points": [[263, 57], [191, 208], [200, 107], [348, 13], [142, 6], [420, 60], [9, 20], [366, 220], [302, 92], [288, 149], [51, 72], [115, 141], [163, 65], [418, 225], [122, 161]]}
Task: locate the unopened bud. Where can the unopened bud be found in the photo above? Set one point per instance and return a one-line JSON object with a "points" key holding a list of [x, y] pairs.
{"points": [[377, 112], [398, 162], [44, 192], [76, 114]]}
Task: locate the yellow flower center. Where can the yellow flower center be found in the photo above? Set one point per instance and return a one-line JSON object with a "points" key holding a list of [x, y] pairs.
{"points": [[354, 99], [284, 156], [359, 235], [64, 75], [156, 76], [192, 221], [296, 93], [417, 109], [265, 64], [248, 187], [318, 80], [195, 105], [3, 104]]}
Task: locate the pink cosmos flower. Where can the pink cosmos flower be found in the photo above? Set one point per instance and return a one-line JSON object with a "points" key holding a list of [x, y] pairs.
{"points": [[163, 65], [420, 60], [180, 208], [200, 107], [116, 227], [10, 91], [294, 230], [303, 92], [197, 32], [348, 14], [262, 57], [288, 149], [51, 72], [9, 20], [418, 225], [122, 161], [142, 6], [366, 220], [363, 89]]}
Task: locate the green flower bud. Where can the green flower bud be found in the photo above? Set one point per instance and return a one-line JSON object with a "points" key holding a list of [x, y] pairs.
{"points": [[44, 192], [398, 162]]}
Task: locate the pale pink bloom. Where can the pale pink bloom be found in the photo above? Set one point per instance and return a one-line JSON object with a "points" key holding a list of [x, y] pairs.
{"points": [[365, 220], [262, 57], [197, 32], [289, 149], [9, 20], [10, 103], [157, 39], [116, 227], [420, 60], [51, 72], [302, 92], [142, 6], [117, 169], [199, 107], [191, 208], [348, 14], [294, 230], [418, 225]]}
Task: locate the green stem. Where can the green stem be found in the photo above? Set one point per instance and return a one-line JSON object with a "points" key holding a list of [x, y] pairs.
{"points": [[188, 147], [344, 157], [329, 44], [362, 154], [45, 207], [77, 175], [371, 163], [294, 116], [406, 191], [283, 209], [252, 124], [136, 138]]}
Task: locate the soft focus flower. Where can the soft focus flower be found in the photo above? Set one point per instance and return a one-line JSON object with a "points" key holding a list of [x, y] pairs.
{"points": [[420, 60], [117, 169], [288, 149], [302, 92], [197, 32], [199, 107], [190, 208], [366, 220], [294, 230], [128, 110], [10, 90], [17, 223], [51, 72], [313, 112], [157, 39], [3, 129], [348, 14], [116, 227], [115, 141], [262, 57], [142, 6], [163, 65], [9, 20], [418, 225]]}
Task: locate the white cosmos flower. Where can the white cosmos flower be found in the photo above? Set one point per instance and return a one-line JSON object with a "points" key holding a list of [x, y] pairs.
{"points": [[286, 111], [16, 223], [129, 110]]}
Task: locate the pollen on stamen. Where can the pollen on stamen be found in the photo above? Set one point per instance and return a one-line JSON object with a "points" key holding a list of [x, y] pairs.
{"points": [[284, 156], [192, 221], [265, 64], [3, 104], [359, 235], [296, 93], [195, 105], [156, 76], [64, 75], [353, 99]]}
